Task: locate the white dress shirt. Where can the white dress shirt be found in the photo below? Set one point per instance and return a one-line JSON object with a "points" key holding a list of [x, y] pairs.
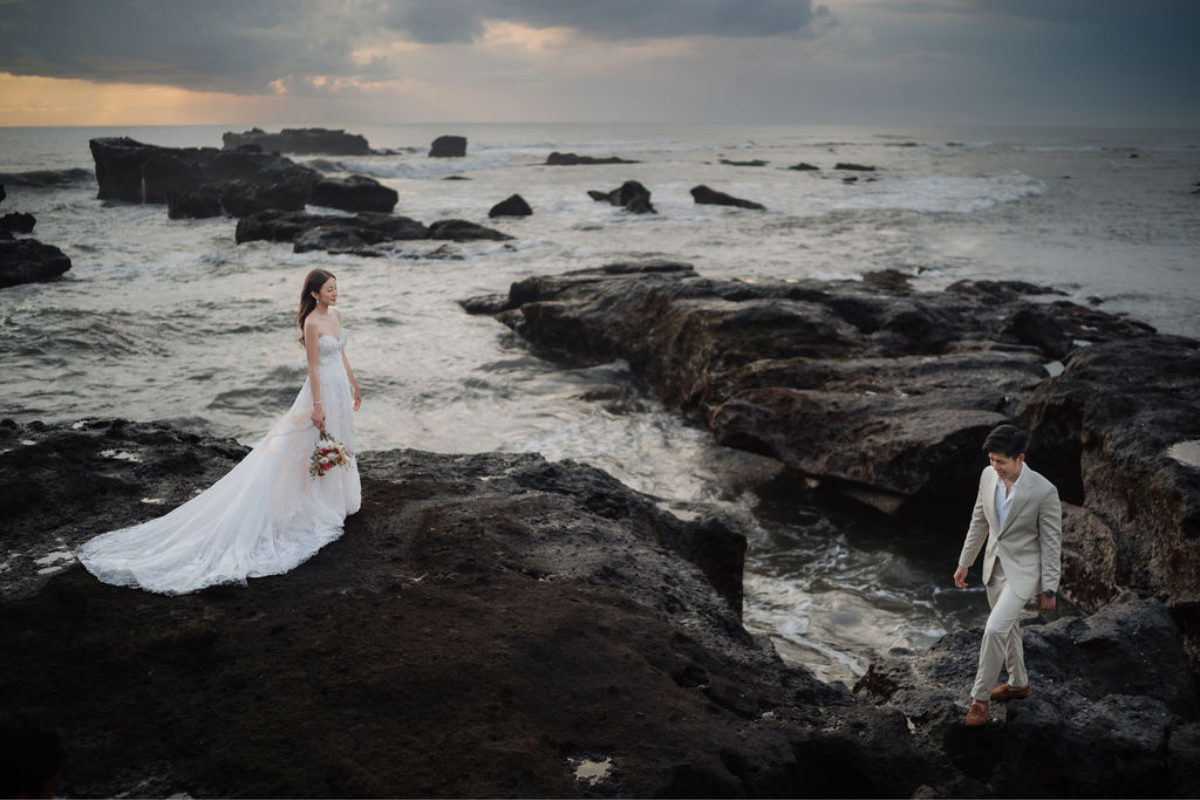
{"points": [[1004, 503]]}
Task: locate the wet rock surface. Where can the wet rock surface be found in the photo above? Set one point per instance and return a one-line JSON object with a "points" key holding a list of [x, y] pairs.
{"points": [[704, 195], [557, 159], [29, 261], [492, 624], [303, 141], [236, 198], [46, 178], [356, 234], [877, 390]]}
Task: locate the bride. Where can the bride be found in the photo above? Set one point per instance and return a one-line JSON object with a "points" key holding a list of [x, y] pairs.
{"points": [[268, 514]]}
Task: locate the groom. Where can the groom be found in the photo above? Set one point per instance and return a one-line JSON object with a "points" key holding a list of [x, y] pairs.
{"points": [[1019, 515]]}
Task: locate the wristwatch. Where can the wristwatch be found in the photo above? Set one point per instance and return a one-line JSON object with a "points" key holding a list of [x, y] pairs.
{"points": [[1050, 593]]}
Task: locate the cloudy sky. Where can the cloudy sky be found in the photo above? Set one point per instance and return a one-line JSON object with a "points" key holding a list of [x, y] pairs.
{"points": [[1023, 62]]}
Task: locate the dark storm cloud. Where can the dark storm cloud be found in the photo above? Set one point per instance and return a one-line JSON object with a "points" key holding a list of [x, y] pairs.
{"points": [[437, 21], [242, 46], [222, 45]]}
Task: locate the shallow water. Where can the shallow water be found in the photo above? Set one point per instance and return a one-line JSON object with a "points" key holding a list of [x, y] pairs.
{"points": [[172, 320]]}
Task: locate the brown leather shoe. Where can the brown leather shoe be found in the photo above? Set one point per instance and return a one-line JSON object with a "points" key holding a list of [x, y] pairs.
{"points": [[977, 714], [1007, 692]]}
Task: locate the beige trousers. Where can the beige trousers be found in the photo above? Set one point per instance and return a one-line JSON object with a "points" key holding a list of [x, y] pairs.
{"points": [[1001, 638]]}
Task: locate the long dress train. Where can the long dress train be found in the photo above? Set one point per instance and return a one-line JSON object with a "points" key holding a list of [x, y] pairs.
{"points": [[265, 517]]}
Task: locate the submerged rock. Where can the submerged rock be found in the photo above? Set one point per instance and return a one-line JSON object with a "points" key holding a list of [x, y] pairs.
{"points": [[448, 147], [46, 178], [557, 159], [461, 230], [303, 141], [844, 165], [336, 233], [757, 162], [805, 167], [704, 195], [30, 261]]}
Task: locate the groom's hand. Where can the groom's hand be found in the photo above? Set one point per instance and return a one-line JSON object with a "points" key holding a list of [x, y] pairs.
{"points": [[960, 577], [1045, 604]]}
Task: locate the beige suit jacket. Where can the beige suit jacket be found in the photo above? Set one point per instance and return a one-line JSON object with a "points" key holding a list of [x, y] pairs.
{"points": [[1029, 545]]}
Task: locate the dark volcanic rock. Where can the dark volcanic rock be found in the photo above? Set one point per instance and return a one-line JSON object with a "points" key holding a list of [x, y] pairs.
{"points": [[485, 623], [195, 202], [804, 167], [143, 173], [1105, 431], [3, 194], [355, 193], [367, 227], [460, 230], [514, 206], [336, 240], [488, 622], [17, 223], [876, 390], [557, 159], [448, 147], [705, 195], [304, 141], [856, 167], [28, 261], [351, 234], [1110, 692], [631, 195], [757, 162]]}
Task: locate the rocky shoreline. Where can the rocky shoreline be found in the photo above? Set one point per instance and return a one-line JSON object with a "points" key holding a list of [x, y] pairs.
{"points": [[884, 394], [499, 625]]}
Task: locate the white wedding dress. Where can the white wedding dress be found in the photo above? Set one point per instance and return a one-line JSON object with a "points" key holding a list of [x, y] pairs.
{"points": [[265, 517]]}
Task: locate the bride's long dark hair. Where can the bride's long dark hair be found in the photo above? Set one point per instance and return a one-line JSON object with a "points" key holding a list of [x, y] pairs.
{"points": [[312, 285]]}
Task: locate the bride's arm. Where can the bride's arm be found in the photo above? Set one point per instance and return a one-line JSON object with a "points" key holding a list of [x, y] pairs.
{"points": [[349, 372], [312, 343], [353, 383]]}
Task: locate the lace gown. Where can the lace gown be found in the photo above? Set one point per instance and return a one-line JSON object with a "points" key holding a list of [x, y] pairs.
{"points": [[265, 517]]}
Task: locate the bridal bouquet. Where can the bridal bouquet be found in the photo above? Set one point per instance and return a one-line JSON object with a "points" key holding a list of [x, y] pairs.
{"points": [[330, 453]]}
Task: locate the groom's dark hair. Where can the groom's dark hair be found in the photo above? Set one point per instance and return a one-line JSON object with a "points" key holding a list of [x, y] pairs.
{"points": [[1007, 439]]}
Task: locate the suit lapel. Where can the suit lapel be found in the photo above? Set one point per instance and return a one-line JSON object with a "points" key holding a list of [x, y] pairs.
{"points": [[1024, 491]]}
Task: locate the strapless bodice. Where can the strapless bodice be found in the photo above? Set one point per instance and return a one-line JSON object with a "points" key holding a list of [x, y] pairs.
{"points": [[330, 348]]}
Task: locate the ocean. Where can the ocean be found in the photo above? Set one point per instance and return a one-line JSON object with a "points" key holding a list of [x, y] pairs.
{"points": [[171, 320]]}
